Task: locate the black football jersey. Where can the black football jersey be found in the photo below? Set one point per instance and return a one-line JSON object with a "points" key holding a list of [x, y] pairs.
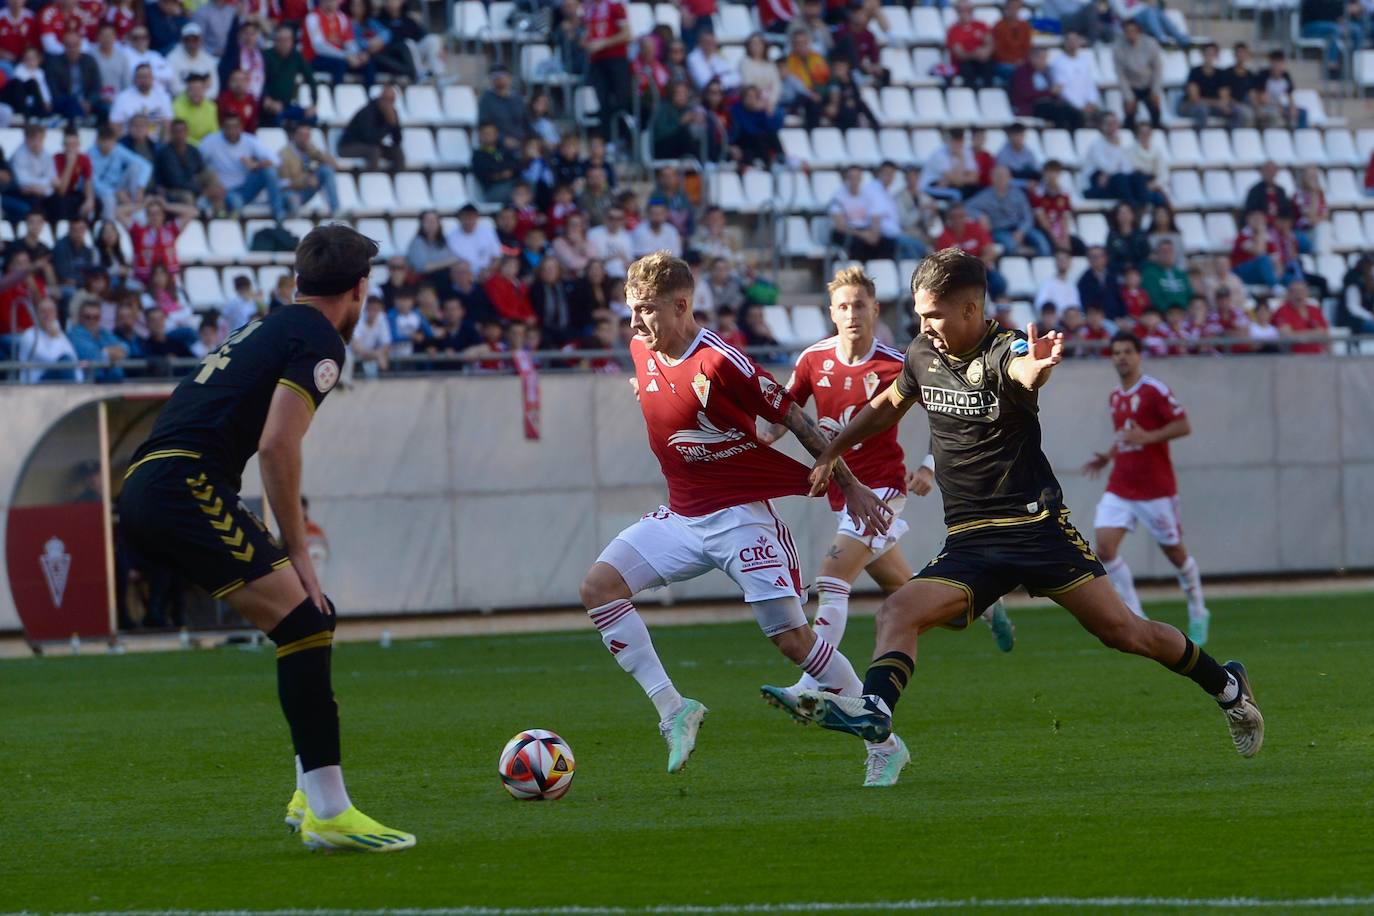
{"points": [[219, 410], [985, 431]]}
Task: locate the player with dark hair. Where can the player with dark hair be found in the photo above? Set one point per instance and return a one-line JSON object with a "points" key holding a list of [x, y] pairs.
{"points": [[1142, 488], [1007, 523], [257, 393]]}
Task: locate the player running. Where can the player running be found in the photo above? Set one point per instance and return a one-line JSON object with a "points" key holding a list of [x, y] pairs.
{"points": [[844, 373], [1141, 488], [257, 394], [701, 400], [1004, 509]]}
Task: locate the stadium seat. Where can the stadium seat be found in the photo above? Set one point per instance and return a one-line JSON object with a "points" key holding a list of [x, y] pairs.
{"points": [[1041, 269], [886, 284], [927, 27], [1175, 69], [412, 194], [232, 273], [862, 144], [1367, 225], [1220, 191], [322, 101], [1333, 268], [810, 323], [797, 241], [897, 62], [349, 99], [192, 247], [1058, 144], [1247, 146], [403, 231], [1342, 190], [377, 193], [349, 202], [828, 149], [225, 242], [1106, 67], [796, 144], [897, 109], [1310, 101], [1184, 151], [900, 30], [268, 275], [669, 15], [1185, 190], [274, 138], [454, 148], [533, 59], [202, 287], [417, 143], [924, 142], [422, 106], [641, 16], [1310, 149], [11, 138], [794, 194], [460, 106], [923, 62], [895, 145], [451, 188], [995, 106], [1278, 146], [379, 230], [1194, 232], [1083, 140], [779, 324], [962, 106], [469, 20], [733, 24], [251, 228], [928, 107], [824, 185], [1346, 232], [1216, 148], [759, 193], [1092, 229], [727, 191], [1221, 230]]}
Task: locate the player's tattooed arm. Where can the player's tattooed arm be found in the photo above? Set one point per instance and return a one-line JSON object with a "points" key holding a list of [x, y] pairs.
{"points": [[772, 433], [864, 506]]}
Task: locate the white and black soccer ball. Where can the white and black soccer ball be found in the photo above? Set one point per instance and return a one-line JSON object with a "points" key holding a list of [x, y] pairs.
{"points": [[537, 764]]}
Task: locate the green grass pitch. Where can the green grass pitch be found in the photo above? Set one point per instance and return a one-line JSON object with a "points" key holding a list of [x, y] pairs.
{"points": [[1060, 770]]}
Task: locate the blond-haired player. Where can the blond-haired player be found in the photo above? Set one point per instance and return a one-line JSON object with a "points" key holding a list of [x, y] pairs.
{"points": [[701, 400]]}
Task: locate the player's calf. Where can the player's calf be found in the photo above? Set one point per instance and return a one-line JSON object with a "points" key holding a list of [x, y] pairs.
{"points": [[606, 594]]}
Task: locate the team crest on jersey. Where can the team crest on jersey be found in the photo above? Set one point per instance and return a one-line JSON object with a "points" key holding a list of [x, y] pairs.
{"points": [[823, 383], [326, 374], [652, 386], [827, 365], [772, 392], [650, 366], [975, 371], [1135, 403], [870, 384], [702, 386]]}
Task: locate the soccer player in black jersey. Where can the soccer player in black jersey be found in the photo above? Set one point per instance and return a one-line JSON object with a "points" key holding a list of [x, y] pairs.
{"points": [[257, 394], [1007, 523]]}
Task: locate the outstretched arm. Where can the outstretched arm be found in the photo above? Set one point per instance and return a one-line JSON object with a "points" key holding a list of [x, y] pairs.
{"points": [[864, 506], [1177, 429], [1033, 369]]}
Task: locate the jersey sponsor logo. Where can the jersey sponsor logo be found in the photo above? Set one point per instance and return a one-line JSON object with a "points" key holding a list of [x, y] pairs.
{"points": [[772, 391], [823, 383], [56, 563], [870, 384], [326, 375], [760, 555], [701, 385], [960, 403], [652, 386], [696, 444], [975, 371]]}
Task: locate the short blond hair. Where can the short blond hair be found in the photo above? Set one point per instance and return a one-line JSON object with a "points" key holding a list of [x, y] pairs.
{"points": [[657, 274], [853, 276]]}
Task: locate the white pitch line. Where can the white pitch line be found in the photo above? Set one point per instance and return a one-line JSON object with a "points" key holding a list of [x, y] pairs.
{"points": [[973, 903]]}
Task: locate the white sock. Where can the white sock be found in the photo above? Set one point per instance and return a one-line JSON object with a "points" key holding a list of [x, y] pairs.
{"points": [[1190, 580], [300, 774], [832, 615], [325, 792], [1120, 575], [831, 670], [1230, 691], [627, 638]]}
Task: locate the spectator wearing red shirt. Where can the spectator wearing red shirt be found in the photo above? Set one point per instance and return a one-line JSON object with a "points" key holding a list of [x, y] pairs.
{"points": [[330, 47], [1255, 254], [18, 30], [236, 99], [1134, 300], [728, 329], [1300, 315], [155, 239], [57, 19], [74, 193], [122, 16], [855, 42], [607, 41], [984, 161], [777, 15], [970, 48], [962, 232], [1052, 209], [508, 295], [21, 289]]}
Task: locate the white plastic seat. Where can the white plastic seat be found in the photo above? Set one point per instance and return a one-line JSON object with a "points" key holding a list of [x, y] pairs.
{"points": [[733, 24], [1278, 146], [962, 106], [1184, 151], [1248, 146], [349, 99], [796, 144], [349, 202], [1041, 269], [377, 193], [1342, 190], [379, 230], [923, 61], [995, 106], [1017, 272], [1083, 140], [727, 192], [533, 58], [460, 106], [1333, 268], [1310, 149], [1219, 190], [422, 106], [896, 145], [470, 20], [202, 287], [1092, 229], [641, 17], [231, 274], [669, 15], [268, 275], [451, 188], [1221, 230], [797, 241], [403, 232], [417, 143], [274, 138], [454, 148], [887, 286], [897, 108], [824, 185], [412, 193], [1174, 72], [498, 22], [1185, 190], [897, 62], [1194, 232], [1216, 150], [225, 242], [927, 27], [929, 108], [192, 247], [810, 323], [862, 144], [1347, 234], [779, 324], [758, 190], [828, 149], [1058, 144], [1310, 101], [900, 30], [794, 194], [924, 142]]}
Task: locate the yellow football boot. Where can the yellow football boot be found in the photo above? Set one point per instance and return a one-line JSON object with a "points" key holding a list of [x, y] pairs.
{"points": [[354, 831]]}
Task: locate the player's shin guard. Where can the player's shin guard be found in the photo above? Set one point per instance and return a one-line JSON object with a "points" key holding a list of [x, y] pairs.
{"points": [[887, 677], [304, 641], [1190, 580], [627, 639], [831, 670], [1119, 574], [1202, 669]]}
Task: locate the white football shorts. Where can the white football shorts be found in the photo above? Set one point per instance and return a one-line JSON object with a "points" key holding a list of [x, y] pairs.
{"points": [[1160, 516], [877, 543]]}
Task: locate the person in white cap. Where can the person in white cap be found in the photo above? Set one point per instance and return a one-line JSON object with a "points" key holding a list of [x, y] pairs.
{"points": [[191, 57]]}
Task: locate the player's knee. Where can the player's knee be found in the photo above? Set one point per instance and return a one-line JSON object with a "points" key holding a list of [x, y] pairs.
{"points": [[602, 585]]}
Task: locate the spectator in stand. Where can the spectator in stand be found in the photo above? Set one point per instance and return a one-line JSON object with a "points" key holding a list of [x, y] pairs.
{"points": [[165, 20], [388, 53], [656, 233], [1127, 243], [1246, 83], [1162, 227], [804, 76], [551, 304], [410, 330], [74, 256], [842, 105], [1111, 171], [1207, 94], [18, 29], [777, 16], [591, 293], [57, 19], [195, 110], [428, 253], [1299, 316], [92, 343], [755, 69], [723, 285], [284, 72], [813, 22], [245, 305], [456, 332], [190, 57], [1163, 281], [143, 97], [962, 232], [882, 203], [1053, 211], [1273, 96], [754, 129], [13, 204], [137, 140], [607, 42], [35, 175], [155, 237], [118, 175], [179, 172], [409, 30], [856, 44], [1267, 195], [330, 46], [1255, 255], [73, 192], [306, 169], [1098, 288], [501, 106], [1034, 92], [237, 99], [26, 92], [1135, 301], [137, 52], [216, 20], [1139, 65], [1007, 212], [1148, 163], [1355, 308], [951, 172], [650, 74], [371, 341], [40, 255], [1019, 158], [612, 244], [1149, 16], [969, 42], [706, 63], [1058, 289], [110, 250], [492, 165], [1074, 72], [678, 125], [728, 329], [915, 210], [45, 343], [856, 224], [1092, 19], [1339, 23], [111, 62], [74, 80], [597, 196], [1011, 41], [670, 193], [715, 239], [474, 242], [243, 166], [507, 293], [374, 134]]}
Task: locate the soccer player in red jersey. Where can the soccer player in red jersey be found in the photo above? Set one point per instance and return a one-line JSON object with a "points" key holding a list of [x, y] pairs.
{"points": [[701, 400], [1141, 488], [844, 373]]}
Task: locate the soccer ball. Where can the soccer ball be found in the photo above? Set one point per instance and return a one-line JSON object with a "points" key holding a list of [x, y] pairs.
{"points": [[536, 764]]}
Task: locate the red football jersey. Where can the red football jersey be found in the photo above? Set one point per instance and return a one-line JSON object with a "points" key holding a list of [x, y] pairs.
{"points": [[603, 19], [1143, 471], [123, 19], [155, 246], [701, 412], [841, 390], [17, 34]]}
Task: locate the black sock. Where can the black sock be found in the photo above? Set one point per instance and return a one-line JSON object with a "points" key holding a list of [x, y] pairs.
{"points": [[1200, 668], [887, 677], [304, 641]]}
